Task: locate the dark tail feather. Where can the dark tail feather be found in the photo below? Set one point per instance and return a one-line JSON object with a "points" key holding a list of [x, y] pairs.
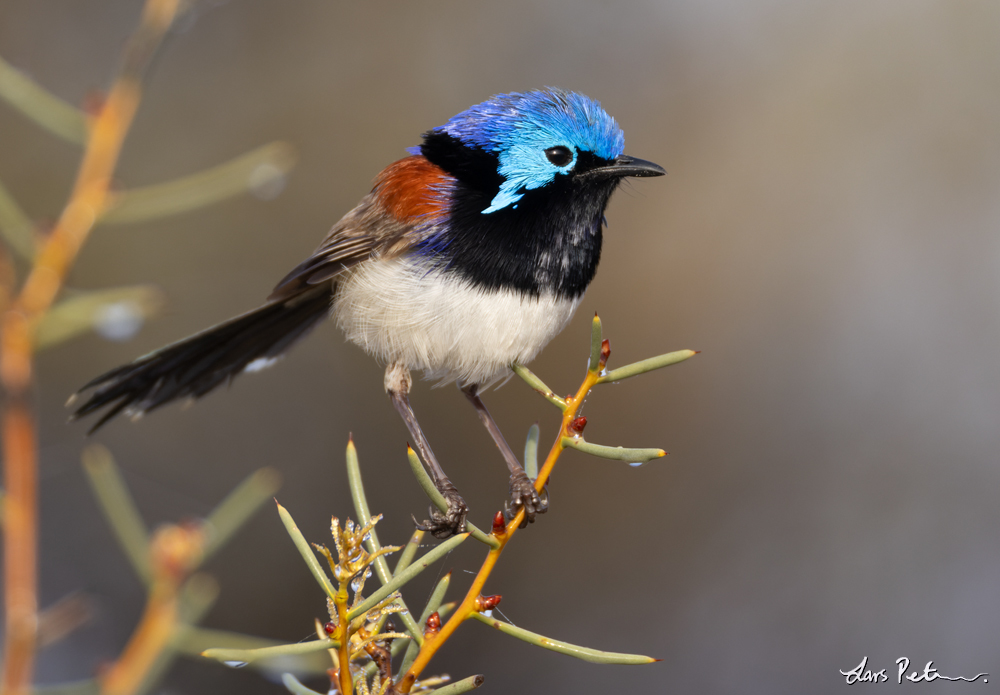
{"points": [[194, 366]]}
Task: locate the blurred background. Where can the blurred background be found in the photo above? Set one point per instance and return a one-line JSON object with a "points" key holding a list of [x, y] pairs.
{"points": [[826, 236]]}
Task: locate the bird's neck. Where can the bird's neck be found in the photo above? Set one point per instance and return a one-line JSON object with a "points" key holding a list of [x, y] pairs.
{"points": [[550, 243]]}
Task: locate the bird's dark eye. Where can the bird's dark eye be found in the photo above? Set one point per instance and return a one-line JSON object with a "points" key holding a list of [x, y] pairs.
{"points": [[559, 155]]}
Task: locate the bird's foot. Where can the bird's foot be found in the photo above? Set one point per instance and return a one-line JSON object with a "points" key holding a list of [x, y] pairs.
{"points": [[448, 523], [524, 496]]}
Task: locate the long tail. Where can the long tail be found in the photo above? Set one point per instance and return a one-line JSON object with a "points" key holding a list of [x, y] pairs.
{"points": [[194, 366]]}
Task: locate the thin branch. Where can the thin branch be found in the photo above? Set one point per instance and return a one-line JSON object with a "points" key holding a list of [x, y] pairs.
{"points": [[595, 656], [119, 508], [471, 603], [15, 226], [174, 550], [239, 505], [87, 200], [364, 514], [256, 170], [20, 529], [41, 106]]}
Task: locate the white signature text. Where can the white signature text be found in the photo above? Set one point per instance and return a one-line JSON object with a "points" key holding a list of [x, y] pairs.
{"points": [[862, 674]]}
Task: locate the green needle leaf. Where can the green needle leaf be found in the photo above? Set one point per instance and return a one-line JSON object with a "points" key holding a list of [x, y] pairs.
{"points": [[116, 313], [538, 385], [364, 514], [45, 109], [192, 641], [15, 226], [296, 688], [248, 656], [408, 574], [254, 170], [458, 687], [531, 453], [87, 687], [430, 489], [199, 639], [433, 603], [595, 344], [637, 368], [242, 503], [409, 551], [616, 453], [198, 595], [592, 655], [118, 507], [306, 552]]}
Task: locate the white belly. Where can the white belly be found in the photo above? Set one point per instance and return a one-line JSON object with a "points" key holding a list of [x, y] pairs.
{"points": [[399, 311]]}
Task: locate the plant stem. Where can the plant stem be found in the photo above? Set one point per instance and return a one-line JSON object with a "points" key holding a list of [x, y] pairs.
{"points": [[20, 546], [469, 603], [88, 198], [344, 633], [156, 628]]}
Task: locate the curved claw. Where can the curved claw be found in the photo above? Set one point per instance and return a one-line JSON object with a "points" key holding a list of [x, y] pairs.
{"points": [[523, 495], [449, 523]]}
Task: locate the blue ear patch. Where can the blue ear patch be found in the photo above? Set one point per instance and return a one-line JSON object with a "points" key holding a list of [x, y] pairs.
{"points": [[524, 167], [502, 200], [519, 127]]}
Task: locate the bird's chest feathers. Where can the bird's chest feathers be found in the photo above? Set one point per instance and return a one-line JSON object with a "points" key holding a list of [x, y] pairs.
{"points": [[547, 242], [437, 321]]}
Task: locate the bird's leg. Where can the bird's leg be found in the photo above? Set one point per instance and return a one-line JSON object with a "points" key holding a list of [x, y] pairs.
{"points": [[522, 491], [441, 525]]}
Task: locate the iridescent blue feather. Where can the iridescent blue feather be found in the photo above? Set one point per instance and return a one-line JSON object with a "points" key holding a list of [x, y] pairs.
{"points": [[519, 127]]}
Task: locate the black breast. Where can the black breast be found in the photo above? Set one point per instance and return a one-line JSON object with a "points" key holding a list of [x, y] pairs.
{"points": [[551, 240]]}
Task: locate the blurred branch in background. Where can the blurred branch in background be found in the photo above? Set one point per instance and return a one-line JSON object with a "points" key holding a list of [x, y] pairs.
{"points": [[105, 137], [167, 563], [15, 226], [32, 321], [115, 314], [45, 109], [261, 171]]}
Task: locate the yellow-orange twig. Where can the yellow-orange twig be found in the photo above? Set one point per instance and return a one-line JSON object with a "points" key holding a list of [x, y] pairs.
{"points": [[90, 191], [88, 198], [344, 678], [469, 603], [155, 630], [174, 551], [20, 542]]}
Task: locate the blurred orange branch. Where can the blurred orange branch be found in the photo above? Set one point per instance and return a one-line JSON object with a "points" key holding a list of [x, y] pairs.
{"points": [[87, 200], [174, 551], [20, 543]]}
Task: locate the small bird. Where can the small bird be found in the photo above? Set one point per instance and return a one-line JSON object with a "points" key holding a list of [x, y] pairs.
{"points": [[467, 257]]}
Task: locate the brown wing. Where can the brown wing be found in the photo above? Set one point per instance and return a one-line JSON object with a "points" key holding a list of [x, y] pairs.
{"points": [[364, 232], [387, 222]]}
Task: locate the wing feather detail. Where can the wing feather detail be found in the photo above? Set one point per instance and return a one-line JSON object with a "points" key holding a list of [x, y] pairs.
{"points": [[410, 198]]}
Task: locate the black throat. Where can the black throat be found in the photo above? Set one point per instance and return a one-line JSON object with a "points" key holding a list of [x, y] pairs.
{"points": [[548, 242]]}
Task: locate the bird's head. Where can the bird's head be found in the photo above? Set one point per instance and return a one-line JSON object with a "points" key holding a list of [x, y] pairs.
{"points": [[514, 143]]}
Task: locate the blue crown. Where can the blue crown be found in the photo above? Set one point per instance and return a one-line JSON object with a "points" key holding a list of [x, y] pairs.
{"points": [[519, 127]]}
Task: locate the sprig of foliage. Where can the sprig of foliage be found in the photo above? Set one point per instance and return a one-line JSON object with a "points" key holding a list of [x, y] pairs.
{"points": [[38, 311], [168, 563], [360, 647]]}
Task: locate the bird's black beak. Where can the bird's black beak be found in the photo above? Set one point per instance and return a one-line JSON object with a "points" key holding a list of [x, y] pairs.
{"points": [[625, 166]]}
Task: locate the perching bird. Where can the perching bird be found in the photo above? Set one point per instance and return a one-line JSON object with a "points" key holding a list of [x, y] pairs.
{"points": [[468, 256]]}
